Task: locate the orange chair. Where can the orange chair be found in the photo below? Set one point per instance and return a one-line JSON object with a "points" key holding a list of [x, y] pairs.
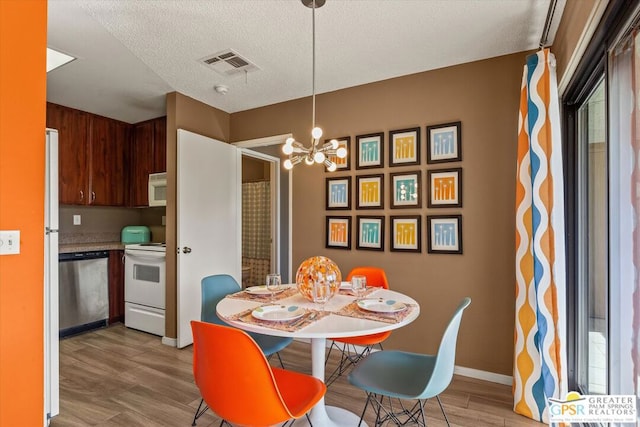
{"points": [[240, 386], [349, 351]]}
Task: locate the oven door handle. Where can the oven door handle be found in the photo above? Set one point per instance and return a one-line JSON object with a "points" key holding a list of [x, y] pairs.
{"points": [[148, 255]]}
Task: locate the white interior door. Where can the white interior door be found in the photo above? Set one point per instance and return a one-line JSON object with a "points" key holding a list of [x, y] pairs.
{"points": [[209, 220]]}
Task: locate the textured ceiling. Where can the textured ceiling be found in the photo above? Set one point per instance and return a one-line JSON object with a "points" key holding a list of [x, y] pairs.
{"points": [[132, 52]]}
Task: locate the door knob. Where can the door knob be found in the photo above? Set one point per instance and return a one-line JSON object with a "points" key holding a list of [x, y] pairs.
{"points": [[186, 250]]}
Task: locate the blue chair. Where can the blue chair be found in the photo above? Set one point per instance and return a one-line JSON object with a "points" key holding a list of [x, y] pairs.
{"points": [[214, 289], [402, 375]]}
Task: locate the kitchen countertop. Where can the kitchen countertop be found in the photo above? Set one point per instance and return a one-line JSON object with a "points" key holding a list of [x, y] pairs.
{"points": [[93, 246]]}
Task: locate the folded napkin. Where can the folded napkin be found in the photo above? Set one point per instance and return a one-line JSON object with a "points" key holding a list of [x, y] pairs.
{"points": [[349, 291], [290, 326], [352, 310], [290, 291]]}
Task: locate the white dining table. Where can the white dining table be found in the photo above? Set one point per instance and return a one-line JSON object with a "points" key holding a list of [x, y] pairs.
{"points": [[331, 326]]}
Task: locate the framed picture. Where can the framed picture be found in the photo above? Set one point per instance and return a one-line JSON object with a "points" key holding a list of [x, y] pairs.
{"points": [[405, 190], [444, 234], [370, 151], [444, 188], [339, 193], [405, 233], [444, 143], [339, 232], [404, 147], [370, 191], [370, 233], [341, 164]]}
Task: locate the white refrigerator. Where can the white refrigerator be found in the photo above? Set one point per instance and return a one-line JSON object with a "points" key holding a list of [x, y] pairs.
{"points": [[51, 348]]}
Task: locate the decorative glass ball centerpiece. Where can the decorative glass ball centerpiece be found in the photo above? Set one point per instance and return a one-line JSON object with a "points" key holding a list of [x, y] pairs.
{"points": [[317, 269]]}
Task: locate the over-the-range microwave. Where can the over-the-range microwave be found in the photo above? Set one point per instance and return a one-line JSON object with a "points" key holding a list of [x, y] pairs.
{"points": [[158, 189]]}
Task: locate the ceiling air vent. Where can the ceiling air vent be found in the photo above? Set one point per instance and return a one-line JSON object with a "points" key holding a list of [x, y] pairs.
{"points": [[228, 63]]}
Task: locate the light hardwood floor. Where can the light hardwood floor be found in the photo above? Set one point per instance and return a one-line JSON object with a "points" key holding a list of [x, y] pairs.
{"points": [[121, 377]]}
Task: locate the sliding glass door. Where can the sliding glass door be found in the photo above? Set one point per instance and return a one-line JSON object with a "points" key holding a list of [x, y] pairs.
{"points": [[592, 249], [602, 155]]}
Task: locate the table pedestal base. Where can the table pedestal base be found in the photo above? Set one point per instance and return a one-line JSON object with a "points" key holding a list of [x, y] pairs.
{"points": [[329, 416]]}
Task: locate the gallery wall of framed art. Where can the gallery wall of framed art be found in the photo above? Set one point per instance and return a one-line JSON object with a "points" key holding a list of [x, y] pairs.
{"points": [[412, 173]]}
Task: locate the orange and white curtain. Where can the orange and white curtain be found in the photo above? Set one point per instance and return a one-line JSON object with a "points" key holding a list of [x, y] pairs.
{"points": [[540, 326]]}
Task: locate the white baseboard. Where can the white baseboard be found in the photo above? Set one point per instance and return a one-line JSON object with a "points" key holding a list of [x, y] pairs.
{"points": [[171, 342], [483, 375], [458, 370]]}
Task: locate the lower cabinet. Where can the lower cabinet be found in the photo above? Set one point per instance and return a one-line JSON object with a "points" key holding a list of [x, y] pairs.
{"points": [[116, 286]]}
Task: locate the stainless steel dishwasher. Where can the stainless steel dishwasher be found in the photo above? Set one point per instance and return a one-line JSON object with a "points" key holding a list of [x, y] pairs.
{"points": [[84, 291]]}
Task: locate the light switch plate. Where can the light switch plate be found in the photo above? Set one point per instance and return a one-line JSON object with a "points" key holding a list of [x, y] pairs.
{"points": [[9, 242], [164, 220], [77, 220]]}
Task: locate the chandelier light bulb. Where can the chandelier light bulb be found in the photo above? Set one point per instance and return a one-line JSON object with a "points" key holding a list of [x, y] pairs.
{"points": [[331, 167], [319, 157], [308, 160], [334, 144], [288, 165], [341, 152], [290, 141], [287, 149], [316, 133]]}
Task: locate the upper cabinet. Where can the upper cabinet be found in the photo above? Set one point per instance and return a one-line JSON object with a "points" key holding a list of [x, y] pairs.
{"points": [[73, 142], [92, 155], [108, 152], [148, 155], [106, 162]]}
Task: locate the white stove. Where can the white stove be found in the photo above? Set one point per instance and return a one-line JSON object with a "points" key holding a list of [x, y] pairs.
{"points": [[154, 247], [144, 287]]}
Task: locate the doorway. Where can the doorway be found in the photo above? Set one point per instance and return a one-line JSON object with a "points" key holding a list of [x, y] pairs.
{"points": [[269, 150], [258, 213]]}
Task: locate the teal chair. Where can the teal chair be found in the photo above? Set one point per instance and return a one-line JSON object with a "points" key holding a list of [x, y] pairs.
{"points": [[214, 289], [391, 374]]}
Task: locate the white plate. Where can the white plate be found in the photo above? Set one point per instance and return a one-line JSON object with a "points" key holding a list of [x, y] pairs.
{"points": [[278, 313], [345, 285], [262, 290], [380, 305]]}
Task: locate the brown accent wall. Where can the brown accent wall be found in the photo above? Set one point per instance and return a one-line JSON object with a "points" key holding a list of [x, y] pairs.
{"points": [[575, 17], [484, 97], [188, 114]]}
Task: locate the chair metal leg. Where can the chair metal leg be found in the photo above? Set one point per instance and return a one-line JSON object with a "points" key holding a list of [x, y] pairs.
{"points": [[349, 356], [442, 409], [199, 413], [279, 358], [387, 412]]}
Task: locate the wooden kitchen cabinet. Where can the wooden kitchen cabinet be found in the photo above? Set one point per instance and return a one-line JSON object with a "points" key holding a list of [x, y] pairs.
{"points": [[148, 155], [116, 286], [93, 153], [108, 153], [73, 140]]}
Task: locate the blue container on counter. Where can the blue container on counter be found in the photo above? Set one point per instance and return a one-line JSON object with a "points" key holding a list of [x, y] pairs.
{"points": [[136, 234]]}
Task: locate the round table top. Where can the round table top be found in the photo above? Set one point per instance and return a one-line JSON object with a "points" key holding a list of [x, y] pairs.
{"points": [[331, 326]]}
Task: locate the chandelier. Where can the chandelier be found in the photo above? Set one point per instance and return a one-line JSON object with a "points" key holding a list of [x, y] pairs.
{"points": [[316, 153]]}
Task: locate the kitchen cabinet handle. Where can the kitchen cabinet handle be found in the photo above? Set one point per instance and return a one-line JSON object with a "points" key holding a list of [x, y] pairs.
{"points": [[186, 250], [81, 195], [93, 196]]}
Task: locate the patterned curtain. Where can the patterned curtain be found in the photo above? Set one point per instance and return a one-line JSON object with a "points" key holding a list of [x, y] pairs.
{"points": [[256, 229], [540, 324], [256, 219]]}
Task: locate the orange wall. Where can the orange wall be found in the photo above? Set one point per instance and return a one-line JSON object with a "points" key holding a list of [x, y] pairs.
{"points": [[22, 121]]}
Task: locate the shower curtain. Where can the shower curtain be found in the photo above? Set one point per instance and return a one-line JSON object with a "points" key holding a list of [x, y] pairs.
{"points": [[256, 230]]}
